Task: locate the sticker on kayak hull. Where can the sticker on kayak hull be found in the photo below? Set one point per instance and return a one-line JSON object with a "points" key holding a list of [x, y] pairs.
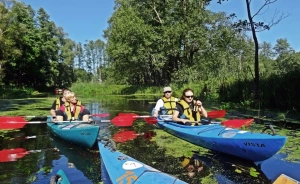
{"points": [[229, 134], [131, 165], [128, 177]]}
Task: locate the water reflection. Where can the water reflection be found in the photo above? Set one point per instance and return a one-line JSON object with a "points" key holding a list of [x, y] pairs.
{"points": [[229, 169], [39, 157], [86, 161], [194, 166]]}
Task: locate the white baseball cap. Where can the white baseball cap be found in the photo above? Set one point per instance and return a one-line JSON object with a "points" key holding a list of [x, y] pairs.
{"points": [[167, 89]]}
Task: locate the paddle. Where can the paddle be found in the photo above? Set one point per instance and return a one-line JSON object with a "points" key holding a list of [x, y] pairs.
{"points": [[96, 115], [18, 122], [233, 123], [237, 123], [10, 155], [133, 115], [211, 114], [216, 114], [128, 118]]}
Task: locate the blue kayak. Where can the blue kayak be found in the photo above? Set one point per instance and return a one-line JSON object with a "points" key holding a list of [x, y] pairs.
{"points": [[81, 134], [59, 178], [121, 168], [247, 145]]}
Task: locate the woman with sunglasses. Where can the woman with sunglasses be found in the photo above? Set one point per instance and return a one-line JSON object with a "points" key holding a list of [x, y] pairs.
{"points": [[167, 104], [188, 109]]}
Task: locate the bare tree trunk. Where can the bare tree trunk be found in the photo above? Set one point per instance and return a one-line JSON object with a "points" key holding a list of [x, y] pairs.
{"points": [[256, 66]]}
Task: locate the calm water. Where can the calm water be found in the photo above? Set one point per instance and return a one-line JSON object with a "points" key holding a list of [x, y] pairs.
{"points": [[49, 154]]}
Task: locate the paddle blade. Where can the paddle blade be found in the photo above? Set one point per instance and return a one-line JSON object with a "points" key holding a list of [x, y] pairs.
{"points": [[101, 115], [133, 115], [7, 122], [10, 155], [216, 114], [151, 120], [122, 121], [127, 114], [125, 135], [237, 123]]}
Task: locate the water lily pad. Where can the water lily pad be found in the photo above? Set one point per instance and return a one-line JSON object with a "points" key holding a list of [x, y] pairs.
{"points": [[238, 171]]}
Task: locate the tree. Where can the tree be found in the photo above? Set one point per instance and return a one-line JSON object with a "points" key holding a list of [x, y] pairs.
{"points": [[254, 27], [282, 47]]}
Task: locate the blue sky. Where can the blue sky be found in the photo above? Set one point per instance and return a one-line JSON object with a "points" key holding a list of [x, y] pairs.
{"points": [[86, 20]]}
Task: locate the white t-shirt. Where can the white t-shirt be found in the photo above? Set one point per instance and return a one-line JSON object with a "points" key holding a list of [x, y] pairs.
{"points": [[160, 103]]}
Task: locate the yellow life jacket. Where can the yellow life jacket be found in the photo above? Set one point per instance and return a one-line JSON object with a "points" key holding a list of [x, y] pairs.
{"points": [[57, 104], [68, 110], [169, 106], [188, 113]]}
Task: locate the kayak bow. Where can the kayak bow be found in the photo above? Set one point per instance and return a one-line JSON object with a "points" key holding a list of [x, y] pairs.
{"points": [[123, 169], [248, 145]]}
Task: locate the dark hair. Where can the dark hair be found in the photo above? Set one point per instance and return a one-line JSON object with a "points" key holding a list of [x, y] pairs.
{"points": [[186, 90]]}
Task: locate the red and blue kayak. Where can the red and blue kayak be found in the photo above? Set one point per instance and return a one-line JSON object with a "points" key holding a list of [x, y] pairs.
{"points": [[247, 145], [121, 168]]}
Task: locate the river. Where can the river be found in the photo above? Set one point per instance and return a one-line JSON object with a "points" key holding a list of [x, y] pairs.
{"points": [[47, 154]]}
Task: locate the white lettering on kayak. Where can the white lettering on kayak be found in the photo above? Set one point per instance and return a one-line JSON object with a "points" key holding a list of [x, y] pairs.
{"points": [[131, 165]]}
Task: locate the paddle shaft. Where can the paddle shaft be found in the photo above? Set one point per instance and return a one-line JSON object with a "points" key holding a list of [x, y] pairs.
{"points": [[195, 122], [96, 115], [163, 116], [20, 123]]}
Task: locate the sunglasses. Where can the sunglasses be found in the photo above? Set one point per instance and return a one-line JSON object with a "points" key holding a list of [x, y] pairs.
{"points": [[168, 92], [189, 96]]}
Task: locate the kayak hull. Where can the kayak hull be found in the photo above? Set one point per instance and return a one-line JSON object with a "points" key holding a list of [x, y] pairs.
{"points": [[247, 145], [84, 135], [123, 169]]}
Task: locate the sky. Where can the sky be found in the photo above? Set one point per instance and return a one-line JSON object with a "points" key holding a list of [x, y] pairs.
{"points": [[86, 20]]}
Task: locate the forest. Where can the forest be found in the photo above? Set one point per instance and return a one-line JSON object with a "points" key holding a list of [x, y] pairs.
{"points": [[150, 43]]}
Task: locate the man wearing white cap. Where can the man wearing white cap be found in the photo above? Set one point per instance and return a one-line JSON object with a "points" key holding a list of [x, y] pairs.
{"points": [[167, 104]]}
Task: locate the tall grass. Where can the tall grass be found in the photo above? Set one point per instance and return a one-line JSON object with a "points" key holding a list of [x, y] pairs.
{"points": [[90, 89]]}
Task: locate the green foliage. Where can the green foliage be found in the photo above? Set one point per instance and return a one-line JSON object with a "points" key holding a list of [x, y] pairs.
{"points": [[149, 45], [227, 106]]}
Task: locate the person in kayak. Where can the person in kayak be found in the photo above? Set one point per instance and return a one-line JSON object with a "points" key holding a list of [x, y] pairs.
{"points": [[188, 109], [72, 110], [59, 102], [167, 104]]}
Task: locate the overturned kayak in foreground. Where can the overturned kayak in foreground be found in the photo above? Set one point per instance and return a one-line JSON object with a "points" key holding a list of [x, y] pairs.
{"points": [[247, 145], [121, 168]]}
